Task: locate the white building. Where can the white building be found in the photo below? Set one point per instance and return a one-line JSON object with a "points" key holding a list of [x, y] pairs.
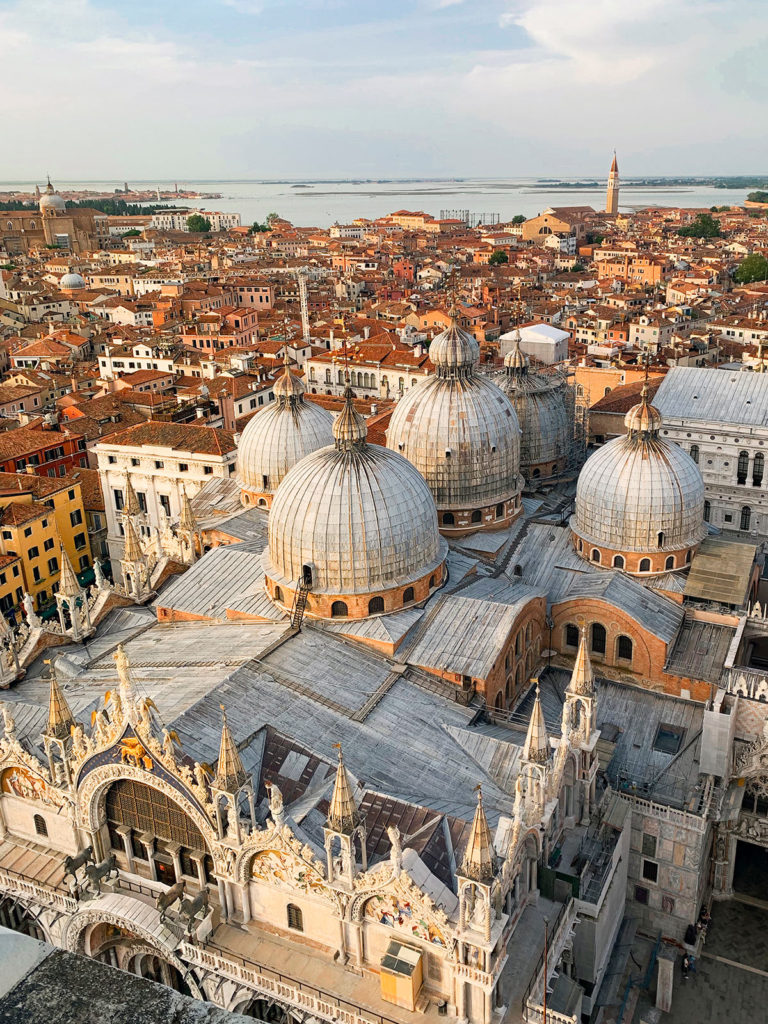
{"points": [[163, 461], [720, 417], [176, 220], [543, 342]]}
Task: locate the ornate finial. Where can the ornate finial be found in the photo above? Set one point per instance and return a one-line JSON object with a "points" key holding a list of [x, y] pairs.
{"points": [[230, 774], [349, 428], [68, 584], [132, 551], [60, 718], [131, 505], [582, 682], [536, 746], [479, 861], [187, 518], [343, 814]]}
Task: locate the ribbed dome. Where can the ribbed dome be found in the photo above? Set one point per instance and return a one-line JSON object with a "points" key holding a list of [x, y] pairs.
{"points": [[281, 435], [359, 515], [51, 201], [540, 404], [71, 282], [459, 429], [640, 493]]}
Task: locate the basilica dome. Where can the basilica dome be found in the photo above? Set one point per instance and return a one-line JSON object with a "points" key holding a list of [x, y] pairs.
{"points": [[356, 524], [461, 432], [540, 401], [50, 201], [71, 282], [639, 500], [278, 437]]}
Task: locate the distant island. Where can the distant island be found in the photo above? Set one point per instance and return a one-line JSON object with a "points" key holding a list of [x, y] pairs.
{"points": [[714, 182]]}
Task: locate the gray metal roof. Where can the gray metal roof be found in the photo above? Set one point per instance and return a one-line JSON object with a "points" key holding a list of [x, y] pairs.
{"points": [[657, 614], [209, 587], [714, 396]]}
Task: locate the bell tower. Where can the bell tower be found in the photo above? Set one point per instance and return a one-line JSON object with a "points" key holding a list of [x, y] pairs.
{"points": [[612, 195]]}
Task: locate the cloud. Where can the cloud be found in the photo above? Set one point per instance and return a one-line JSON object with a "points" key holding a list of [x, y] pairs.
{"points": [[251, 7]]}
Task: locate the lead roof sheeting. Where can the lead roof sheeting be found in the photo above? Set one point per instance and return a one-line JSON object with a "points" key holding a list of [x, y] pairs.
{"points": [[657, 614], [207, 587], [721, 571], [714, 396]]}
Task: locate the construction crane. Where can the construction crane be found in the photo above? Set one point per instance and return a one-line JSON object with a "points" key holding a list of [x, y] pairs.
{"points": [[301, 277]]}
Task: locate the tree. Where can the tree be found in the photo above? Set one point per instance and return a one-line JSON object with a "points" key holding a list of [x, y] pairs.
{"points": [[198, 223], [133, 233], [271, 218], [757, 197], [704, 226], [519, 218], [497, 258], [256, 228], [577, 268], [752, 268]]}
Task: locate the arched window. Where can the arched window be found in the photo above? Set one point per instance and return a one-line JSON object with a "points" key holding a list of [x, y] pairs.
{"points": [[40, 826], [595, 556], [687, 556], [408, 595], [147, 810], [477, 516], [618, 561], [707, 511], [624, 648], [571, 635], [758, 469], [607, 391], [645, 565], [742, 468], [598, 638], [295, 918], [339, 610], [499, 702], [695, 453], [528, 635], [670, 562], [746, 517], [431, 581], [341, 377], [536, 473], [660, 539], [400, 385], [278, 594], [518, 644], [306, 575], [375, 605], [581, 545], [500, 510], [448, 519]]}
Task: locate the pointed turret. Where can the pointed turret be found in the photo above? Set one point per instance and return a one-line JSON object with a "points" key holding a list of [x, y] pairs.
{"points": [[131, 505], [60, 718], [230, 774], [132, 552], [582, 682], [343, 814], [187, 519], [479, 861], [614, 164], [68, 584], [536, 746]]}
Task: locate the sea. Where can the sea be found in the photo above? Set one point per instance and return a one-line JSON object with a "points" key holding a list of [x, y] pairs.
{"points": [[311, 203]]}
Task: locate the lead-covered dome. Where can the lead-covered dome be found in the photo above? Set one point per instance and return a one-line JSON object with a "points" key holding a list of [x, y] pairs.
{"points": [[461, 432], [71, 282], [357, 524], [540, 402], [51, 201], [278, 437], [639, 500]]}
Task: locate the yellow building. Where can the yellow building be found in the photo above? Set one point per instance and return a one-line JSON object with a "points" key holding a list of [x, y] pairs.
{"points": [[11, 583], [39, 515]]}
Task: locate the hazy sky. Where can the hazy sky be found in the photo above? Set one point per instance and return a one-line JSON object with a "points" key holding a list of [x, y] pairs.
{"points": [[324, 88]]}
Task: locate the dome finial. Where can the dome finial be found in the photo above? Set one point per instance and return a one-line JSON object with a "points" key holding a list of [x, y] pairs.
{"points": [[349, 429], [643, 420], [516, 361]]}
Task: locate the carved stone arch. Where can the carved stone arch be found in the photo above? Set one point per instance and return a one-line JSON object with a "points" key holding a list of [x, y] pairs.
{"points": [[92, 793], [73, 940], [38, 914]]}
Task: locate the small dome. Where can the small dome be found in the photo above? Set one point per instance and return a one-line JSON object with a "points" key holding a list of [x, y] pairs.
{"points": [[279, 436], [51, 201], [640, 493], [454, 348], [71, 282], [459, 429], [542, 412], [359, 515], [516, 359]]}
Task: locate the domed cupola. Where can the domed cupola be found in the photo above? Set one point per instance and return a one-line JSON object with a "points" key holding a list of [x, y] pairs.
{"points": [[639, 500], [354, 526], [71, 282], [279, 436], [540, 401], [51, 202], [461, 432]]}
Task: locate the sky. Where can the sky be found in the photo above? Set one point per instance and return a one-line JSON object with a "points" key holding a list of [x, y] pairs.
{"points": [[229, 89]]}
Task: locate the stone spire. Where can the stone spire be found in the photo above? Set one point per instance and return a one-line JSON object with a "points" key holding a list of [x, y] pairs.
{"points": [[187, 519], [131, 505], [479, 861], [343, 814], [68, 585], [349, 429], [536, 746], [60, 718], [132, 552], [582, 682], [230, 774]]}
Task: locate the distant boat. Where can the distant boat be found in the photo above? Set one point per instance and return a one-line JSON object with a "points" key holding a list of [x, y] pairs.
{"points": [[301, 186]]}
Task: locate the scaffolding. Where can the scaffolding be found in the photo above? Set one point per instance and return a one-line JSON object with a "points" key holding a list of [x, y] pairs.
{"points": [[472, 220]]}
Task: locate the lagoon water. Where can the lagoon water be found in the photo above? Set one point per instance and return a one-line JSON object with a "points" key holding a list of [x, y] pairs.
{"points": [[321, 203]]}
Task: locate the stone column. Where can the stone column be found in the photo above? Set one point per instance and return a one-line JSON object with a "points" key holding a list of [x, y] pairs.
{"points": [[173, 849], [148, 842], [125, 833], [198, 859], [245, 901]]}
